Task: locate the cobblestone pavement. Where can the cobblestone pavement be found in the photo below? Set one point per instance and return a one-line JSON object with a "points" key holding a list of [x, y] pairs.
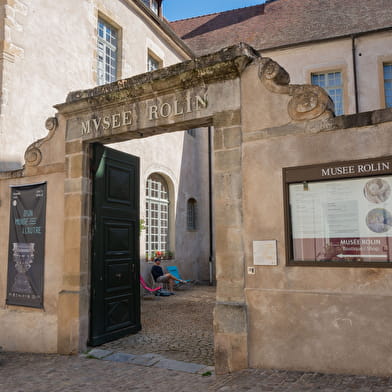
{"points": [[163, 358], [178, 327], [55, 373]]}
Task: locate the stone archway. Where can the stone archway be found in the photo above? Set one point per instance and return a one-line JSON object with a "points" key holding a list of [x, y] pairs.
{"points": [[229, 90]]}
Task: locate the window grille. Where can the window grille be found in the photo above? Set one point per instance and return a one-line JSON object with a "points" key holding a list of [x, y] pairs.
{"points": [[106, 53], [157, 214], [332, 83]]}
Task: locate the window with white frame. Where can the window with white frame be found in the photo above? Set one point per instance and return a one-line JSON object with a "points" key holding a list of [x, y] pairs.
{"points": [[388, 85], [152, 63], [192, 132], [192, 214], [106, 53], [333, 84], [157, 215]]}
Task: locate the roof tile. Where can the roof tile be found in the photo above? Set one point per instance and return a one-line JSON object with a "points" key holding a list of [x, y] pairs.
{"points": [[283, 22]]}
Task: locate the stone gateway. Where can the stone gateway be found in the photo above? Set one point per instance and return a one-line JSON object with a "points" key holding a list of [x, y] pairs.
{"points": [[266, 133]]}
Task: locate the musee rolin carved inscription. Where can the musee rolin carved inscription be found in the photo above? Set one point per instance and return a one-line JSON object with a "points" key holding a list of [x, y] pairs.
{"points": [[151, 111]]}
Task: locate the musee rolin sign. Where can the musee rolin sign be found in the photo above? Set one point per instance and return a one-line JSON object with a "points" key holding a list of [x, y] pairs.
{"points": [[149, 111]]}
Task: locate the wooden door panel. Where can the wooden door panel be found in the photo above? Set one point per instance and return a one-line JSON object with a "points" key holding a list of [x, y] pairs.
{"points": [[118, 275], [120, 185], [115, 293], [117, 313], [118, 237]]}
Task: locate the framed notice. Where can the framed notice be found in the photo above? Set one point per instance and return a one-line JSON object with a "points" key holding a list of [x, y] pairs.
{"points": [[340, 214], [25, 276]]}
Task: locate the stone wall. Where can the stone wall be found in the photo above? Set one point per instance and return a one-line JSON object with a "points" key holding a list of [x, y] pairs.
{"points": [[23, 328], [307, 318], [33, 80], [371, 51]]}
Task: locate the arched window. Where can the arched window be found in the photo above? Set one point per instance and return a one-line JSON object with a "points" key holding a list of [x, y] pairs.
{"points": [[192, 214], [157, 214]]}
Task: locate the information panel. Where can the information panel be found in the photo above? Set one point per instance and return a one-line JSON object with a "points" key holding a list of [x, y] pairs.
{"points": [[347, 220], [26, 246], [340, 221]]}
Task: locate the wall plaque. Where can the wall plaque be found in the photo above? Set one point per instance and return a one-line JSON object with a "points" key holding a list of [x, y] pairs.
{"points": [[264, 253]]}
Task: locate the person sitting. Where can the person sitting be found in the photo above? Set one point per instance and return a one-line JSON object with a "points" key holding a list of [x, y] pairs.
{"points": [[160, 277]]}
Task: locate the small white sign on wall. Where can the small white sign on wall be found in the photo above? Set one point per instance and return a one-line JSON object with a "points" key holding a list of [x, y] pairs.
{"points": [[264, 253]]}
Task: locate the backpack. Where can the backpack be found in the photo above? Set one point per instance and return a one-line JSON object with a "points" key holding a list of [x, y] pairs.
{"points": [[162, 293]]}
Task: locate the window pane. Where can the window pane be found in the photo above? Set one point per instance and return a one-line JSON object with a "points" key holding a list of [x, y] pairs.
{"points": [[154, 6], [332, 83], [388, 85], [192, 214], [157, 214], [107, 53], [152, 64]]}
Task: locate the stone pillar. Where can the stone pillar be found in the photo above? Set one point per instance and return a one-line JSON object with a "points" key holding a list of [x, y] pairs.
{"points": [[74, 296], [230, 314]]}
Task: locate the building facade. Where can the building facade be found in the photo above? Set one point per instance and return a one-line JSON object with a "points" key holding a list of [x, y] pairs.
{"points": [[297, 288], [344, 47], [109, 41], [51, 49]]}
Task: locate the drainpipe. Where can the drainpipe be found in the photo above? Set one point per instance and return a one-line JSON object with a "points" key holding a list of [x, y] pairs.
{"points": [[354, 55], [211, 258]]}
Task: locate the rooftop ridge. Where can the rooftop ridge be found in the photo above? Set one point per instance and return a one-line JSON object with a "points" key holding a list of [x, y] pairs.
{"points": [[218, 13]]}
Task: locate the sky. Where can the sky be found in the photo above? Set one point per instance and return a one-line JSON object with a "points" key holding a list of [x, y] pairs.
{"points": [[182, 9]]}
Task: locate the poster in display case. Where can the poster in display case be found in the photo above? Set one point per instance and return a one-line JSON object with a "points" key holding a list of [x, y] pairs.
{"points": [[25, 277], [339, 214]]}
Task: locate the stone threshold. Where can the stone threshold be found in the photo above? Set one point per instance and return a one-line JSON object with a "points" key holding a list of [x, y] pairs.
{"points": [[150, 360]]}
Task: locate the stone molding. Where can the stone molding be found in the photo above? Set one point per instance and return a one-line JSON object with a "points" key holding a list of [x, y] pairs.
{"points": [[33, 154], [226, 64], [13, 11], [308, 102]]}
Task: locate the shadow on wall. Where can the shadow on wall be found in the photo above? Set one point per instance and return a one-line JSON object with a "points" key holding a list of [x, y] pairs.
{"points": [[10, 165], [192, 243]]}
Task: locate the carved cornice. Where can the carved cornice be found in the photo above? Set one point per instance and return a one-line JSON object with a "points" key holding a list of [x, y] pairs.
{"points": [[33, 154], [307, 103], [226, 64]]}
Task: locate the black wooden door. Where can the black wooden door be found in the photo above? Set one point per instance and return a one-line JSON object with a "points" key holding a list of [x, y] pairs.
{"points": [[115, 293]]}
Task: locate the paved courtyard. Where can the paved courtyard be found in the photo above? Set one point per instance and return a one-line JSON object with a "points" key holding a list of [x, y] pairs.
{"points": [[178, 327], [172, 353]]}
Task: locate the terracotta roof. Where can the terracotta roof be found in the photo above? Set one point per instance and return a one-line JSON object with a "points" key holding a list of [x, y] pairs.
{"points": [[284, 22]]}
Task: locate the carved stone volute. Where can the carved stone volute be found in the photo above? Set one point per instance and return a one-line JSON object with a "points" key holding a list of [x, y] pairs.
{"points": [[307, 103], [274, 77], [33, 154]]}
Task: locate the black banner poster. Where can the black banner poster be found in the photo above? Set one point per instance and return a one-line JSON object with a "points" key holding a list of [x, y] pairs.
{"points": [[25, 280]]}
